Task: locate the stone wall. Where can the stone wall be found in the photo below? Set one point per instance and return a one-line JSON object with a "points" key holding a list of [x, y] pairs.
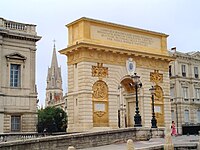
{"points": [[84, 140]]}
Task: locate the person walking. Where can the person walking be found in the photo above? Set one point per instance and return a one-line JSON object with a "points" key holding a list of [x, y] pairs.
{"points": [[173, 127]]}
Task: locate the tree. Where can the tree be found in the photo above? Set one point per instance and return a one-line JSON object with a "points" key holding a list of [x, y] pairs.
{"points": [[52, 119]]}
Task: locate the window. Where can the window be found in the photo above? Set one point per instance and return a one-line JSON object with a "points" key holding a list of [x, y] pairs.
{"points": [[198, 116], [185, 92], [172, 92], [173, 114], [50, 96], [170, 71], [197, 93], [15, 123], [14, 75], [186, 116], [196, 74], [183, 68]]}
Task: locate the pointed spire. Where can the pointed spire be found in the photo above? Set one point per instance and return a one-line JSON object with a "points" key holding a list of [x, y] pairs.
{"points": [[54, 62], [54, 89]]}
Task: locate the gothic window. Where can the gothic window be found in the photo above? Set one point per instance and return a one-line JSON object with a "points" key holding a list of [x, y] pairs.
{"points": [[15, 123], [196, 74], [186, 116], [50, 96], [183, 69], [15, 75]]}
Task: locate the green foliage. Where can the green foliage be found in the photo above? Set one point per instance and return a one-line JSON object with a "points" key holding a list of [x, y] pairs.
{"points": [[52, 119]]}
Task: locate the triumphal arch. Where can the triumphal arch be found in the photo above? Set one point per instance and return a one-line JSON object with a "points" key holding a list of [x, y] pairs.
{"points": [[102, 58]]}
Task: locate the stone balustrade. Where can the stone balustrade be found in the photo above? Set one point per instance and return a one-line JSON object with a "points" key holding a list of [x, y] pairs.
{"points": [[93, 139], [84, 140], [16, 26], [6, 137]]}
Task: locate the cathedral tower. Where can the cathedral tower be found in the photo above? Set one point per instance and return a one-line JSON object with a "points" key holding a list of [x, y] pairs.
{"points": [[54, 91]]}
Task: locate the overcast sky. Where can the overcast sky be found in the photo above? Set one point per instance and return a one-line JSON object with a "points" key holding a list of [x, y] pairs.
{"points": [[180, 19]]}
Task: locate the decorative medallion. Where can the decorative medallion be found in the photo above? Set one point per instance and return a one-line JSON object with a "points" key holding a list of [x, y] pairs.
{"points": [[130, 66], [99, 71], [158, 94], [156, 77], [100, 90]]}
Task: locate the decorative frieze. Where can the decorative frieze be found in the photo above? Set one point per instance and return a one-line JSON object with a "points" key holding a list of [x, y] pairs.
{"points": [[109, 57]]}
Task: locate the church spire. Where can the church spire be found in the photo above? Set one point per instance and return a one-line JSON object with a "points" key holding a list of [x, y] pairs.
{"points": [[54, 91], [54, 62]]}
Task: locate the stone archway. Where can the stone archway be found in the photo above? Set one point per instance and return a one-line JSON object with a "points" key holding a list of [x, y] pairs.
{"points": [[100, 104], [127, 83]]}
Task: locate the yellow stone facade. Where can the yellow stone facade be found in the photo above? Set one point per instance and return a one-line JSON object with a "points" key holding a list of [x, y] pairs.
{"points": [[97, 53]]}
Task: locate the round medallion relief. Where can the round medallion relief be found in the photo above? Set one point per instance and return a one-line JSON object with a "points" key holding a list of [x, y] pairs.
{"points": [[100, 90]]}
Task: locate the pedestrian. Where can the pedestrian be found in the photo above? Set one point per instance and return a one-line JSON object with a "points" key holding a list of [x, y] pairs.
{"points": [[173, 128]]}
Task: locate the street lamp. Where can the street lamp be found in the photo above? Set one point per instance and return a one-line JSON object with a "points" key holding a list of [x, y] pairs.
{"points": [[137, 84], [153, 120]]}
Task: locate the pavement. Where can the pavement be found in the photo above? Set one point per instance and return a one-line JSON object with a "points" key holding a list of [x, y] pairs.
{"points": [[184, 139]]}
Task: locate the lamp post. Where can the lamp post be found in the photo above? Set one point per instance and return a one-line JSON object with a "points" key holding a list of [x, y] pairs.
{"points": [[153, 120], [137, 84]]}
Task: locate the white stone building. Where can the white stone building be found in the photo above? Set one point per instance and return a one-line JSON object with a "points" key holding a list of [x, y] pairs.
{"points": [[18, 95], [185, 89]]}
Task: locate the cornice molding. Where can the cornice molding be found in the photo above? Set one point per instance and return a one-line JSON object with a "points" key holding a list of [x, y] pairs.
{"points": [[22, 36], [79, 46]]}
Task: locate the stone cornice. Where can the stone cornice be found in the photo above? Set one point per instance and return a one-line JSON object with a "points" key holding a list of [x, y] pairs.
{"points": [[185, 56], [16, 35], [128, 52]]}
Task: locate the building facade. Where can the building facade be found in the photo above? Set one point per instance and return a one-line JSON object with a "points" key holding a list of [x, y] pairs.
{"points": [[18, 95], [54, 91], [102, 59], [185, 89]]}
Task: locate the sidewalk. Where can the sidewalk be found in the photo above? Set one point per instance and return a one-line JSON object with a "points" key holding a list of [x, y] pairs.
{"points": [[152, 142]]}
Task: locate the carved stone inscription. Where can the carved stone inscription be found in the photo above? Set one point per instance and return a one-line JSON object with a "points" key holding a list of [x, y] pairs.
{"points": [[124, 37]]}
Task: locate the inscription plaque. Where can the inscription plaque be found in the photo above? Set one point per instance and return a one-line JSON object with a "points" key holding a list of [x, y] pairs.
{"points": [[157, 109], [99, 107], [101, 33]]}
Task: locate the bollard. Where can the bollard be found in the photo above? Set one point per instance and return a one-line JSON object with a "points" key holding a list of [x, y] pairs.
{"points": [[130, 145], [168, 140], [71, 148]]}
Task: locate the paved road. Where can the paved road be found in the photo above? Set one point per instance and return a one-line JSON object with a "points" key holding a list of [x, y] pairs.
{"points": [[141, 144]]}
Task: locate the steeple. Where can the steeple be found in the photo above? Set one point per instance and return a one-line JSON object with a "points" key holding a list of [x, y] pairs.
{"points": [[54, 91], [54, 62]]}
